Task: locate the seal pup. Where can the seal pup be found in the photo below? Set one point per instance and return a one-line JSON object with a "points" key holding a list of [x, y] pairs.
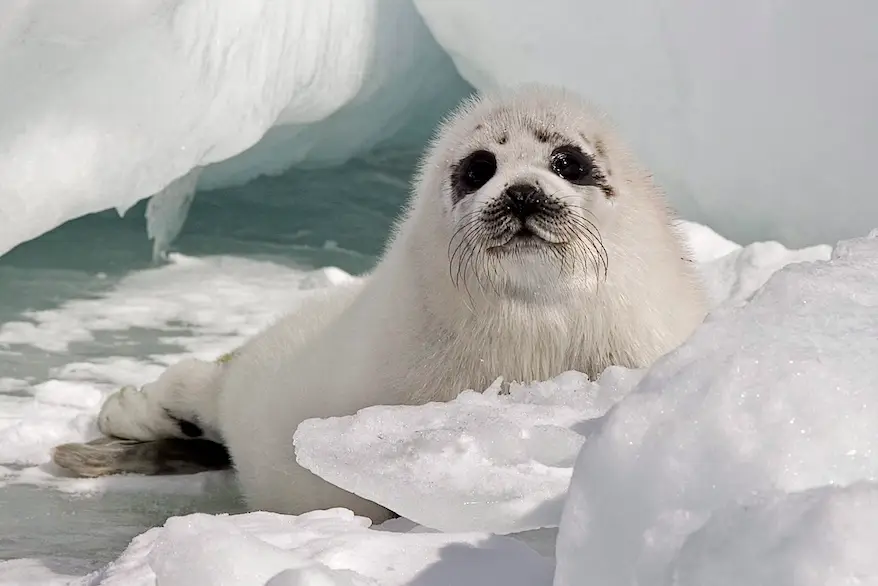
{"points": [[532, 244]]}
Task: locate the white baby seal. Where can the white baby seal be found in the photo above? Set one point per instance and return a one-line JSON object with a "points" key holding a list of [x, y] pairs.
{"points": [[532, 244]]}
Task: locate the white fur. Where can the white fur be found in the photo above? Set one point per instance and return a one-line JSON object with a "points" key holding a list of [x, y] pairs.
{"points": [[409, 335]]}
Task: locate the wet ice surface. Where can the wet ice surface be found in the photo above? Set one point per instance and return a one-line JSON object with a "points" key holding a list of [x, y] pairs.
{"points": [[73, 534], [83, 311], [65, 360]]}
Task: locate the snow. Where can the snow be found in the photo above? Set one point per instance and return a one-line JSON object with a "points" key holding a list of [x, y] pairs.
{"points": [[756, 117], [114, 104], [778, 396], [819, 537], [743, 457], [331, 548]]}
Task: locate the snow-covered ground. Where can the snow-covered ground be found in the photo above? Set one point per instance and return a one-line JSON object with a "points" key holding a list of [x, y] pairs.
{"points": [[746, 456]]}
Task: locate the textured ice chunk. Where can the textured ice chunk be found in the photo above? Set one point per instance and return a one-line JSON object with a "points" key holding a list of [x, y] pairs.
{"points": [[758, 118], [778, 395], [485, 461]]}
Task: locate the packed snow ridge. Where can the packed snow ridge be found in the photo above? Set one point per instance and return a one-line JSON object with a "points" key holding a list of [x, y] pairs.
{"points": [[748, 455], [751, 125]]}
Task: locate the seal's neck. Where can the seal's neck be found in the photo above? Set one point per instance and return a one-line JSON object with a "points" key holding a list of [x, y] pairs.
{"points": [[466, 338]]}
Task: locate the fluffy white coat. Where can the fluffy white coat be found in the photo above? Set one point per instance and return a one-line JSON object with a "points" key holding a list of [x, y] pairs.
{"points": [[410, 334]]}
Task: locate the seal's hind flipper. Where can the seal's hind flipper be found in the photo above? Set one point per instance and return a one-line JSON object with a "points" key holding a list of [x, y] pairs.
{"points": [[107, 455]]}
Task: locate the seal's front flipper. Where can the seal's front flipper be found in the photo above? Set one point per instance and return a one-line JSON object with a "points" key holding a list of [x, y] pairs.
{"points": [[107, 455]]}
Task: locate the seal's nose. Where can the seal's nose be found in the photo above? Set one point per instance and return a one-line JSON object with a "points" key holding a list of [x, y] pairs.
{"points": [[523, 200]]}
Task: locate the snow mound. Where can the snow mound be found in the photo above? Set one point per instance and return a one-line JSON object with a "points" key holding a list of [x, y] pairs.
{"points": [[105, 106], [322, 548], [779, 395], [732, 273], [485, 461], [723, 101], [820, 537]]}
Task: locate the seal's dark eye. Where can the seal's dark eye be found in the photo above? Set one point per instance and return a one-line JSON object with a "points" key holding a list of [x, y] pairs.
{"points": [[476, 170], [571, 164]]}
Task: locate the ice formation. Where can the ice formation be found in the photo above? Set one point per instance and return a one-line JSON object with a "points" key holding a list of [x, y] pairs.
{"points": [[752, 126], [483, 462], [721, 439], [112, 104], [166, 212], [756, 117]]}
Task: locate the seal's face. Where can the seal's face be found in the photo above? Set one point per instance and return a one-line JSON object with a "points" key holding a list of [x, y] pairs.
{"points": [[527, 187]]}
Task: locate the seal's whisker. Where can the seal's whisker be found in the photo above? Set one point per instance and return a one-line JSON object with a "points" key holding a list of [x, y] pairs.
{"points": [[462, 249]]}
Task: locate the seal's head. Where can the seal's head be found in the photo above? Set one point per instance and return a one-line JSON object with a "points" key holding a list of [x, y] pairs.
{"points": [[527, 183]]}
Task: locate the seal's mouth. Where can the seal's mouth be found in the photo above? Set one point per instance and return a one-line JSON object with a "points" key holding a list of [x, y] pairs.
{"points": [[524, 239]]}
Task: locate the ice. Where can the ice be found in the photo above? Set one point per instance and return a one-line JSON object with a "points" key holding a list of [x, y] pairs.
{"points": [[167, 210], [820, 537], [502, 462], [778, 396], [732, 273], [485, 461], [109, 106], [28, 573], [758, 118], [105, 106], [213, 296], [733, 278], [323, 548]]}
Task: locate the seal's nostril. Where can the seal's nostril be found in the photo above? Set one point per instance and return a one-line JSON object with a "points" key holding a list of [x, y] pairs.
{"points": [[523, 199]]}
